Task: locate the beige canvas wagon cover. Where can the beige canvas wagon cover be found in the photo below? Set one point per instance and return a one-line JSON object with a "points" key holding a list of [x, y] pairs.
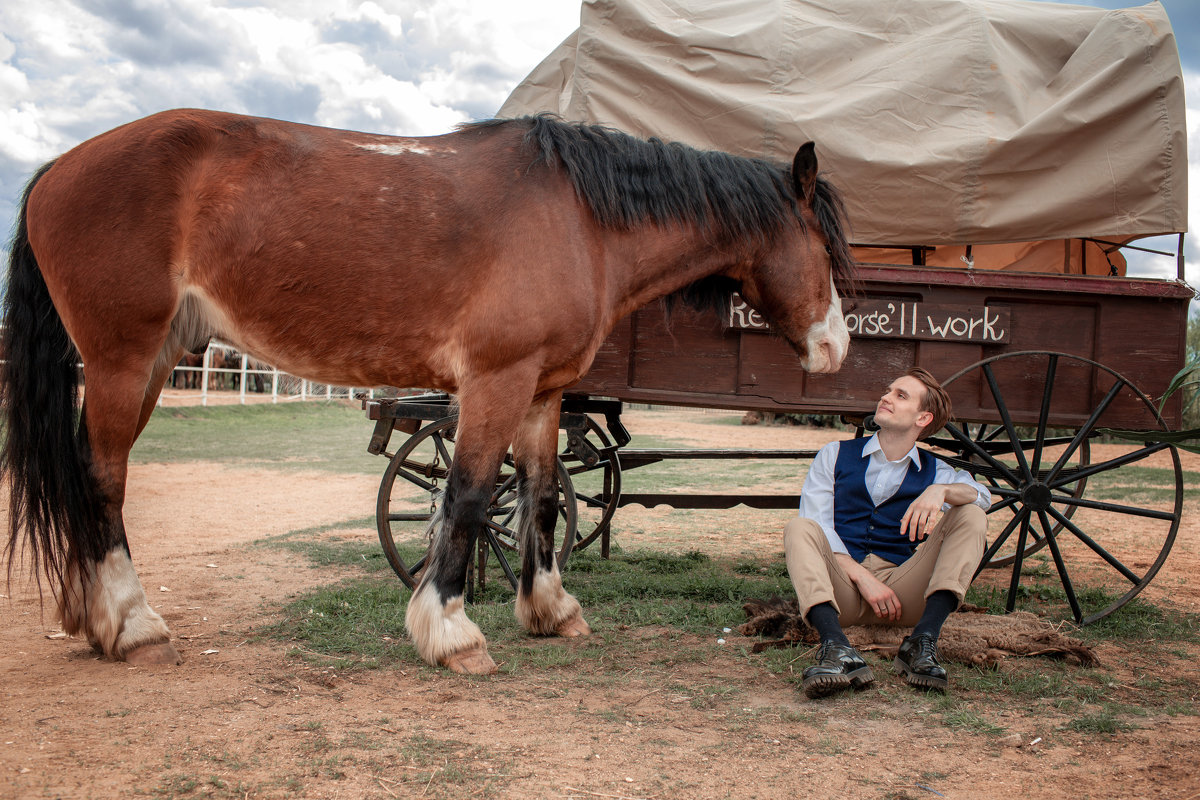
{"points": [[943, 122]]}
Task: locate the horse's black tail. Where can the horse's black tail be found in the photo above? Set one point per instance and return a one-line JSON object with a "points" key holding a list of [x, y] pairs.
{"points": [[51, 510]]}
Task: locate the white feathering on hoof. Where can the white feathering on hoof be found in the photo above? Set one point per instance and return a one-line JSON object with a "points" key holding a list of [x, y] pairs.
{"points": [[437, 630], [549, 606], [116, 617]]}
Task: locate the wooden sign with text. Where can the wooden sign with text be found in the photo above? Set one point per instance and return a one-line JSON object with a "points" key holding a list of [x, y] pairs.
{"points": [[904, 319]]}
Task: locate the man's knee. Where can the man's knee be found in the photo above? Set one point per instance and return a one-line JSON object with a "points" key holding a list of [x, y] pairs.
{"points": [[967, 520], [801, 532]]}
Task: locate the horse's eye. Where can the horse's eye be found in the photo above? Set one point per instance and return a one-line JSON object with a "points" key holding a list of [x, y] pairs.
{"points": [[828, 250]]}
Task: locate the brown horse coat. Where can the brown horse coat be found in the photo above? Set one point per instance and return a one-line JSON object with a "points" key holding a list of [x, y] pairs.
{"points": [[490, 262]]}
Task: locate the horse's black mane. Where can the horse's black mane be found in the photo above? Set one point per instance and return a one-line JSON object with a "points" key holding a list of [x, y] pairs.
{"points": [[627, 181]]}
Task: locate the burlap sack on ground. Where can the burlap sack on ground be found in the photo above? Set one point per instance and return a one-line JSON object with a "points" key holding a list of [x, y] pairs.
{"points": [[969, 636]]}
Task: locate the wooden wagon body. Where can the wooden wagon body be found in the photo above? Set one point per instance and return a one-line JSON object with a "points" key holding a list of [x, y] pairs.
{"points": [[942, 320]]}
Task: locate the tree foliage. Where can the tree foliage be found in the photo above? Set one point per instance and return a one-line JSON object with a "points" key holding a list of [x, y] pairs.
{"points": [[1191, 389]]}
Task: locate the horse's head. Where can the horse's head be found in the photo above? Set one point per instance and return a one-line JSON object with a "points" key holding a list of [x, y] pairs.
{"points": [[793, 283]]}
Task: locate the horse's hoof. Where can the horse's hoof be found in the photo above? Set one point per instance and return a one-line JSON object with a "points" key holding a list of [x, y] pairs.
{"points": [[160, 654], [475, 661], [572, 627]]}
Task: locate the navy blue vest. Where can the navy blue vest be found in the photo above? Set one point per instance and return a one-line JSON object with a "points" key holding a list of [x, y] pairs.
{"points": [[864, 527]]}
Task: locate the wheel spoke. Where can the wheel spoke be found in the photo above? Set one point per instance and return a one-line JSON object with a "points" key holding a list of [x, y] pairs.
{"points": [[1129, 574], [503, 489], [1116, 508], [1040, 441], [1071, 476], [1084, 431], [494, 543], [590, 501], [1011, 496], [970, 444], [507, 533], [1001, 539], [1018, 558], [510, 513], [991, 437], [1061, 566], [416, 479], [1006, 418], [396, 517], [581, 468], [1010, 500]]}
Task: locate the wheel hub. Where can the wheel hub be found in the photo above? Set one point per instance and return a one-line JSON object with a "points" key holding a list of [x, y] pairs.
{"points": [[1037, 496]]}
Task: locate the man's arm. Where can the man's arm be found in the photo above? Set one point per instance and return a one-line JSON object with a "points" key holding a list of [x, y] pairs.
{"points": [[816, 496], [921, 515], [882, 599], [951, 487]]}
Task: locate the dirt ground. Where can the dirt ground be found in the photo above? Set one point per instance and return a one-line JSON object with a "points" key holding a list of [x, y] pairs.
{"points": [[241, 717]]}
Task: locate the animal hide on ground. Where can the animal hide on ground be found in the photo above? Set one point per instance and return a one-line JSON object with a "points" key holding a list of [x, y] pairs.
{"points": [[969, 636]]}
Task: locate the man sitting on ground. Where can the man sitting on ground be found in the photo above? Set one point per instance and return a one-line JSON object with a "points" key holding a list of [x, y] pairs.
{"points": [[853, 555]]}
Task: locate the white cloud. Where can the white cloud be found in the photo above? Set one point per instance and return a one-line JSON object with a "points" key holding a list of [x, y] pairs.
{"points": [[70, 69]]}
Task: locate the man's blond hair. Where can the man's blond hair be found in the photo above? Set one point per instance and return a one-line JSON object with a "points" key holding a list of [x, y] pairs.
{"points": [[935, 400]]}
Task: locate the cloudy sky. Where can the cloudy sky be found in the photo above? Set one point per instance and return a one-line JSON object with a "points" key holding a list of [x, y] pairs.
{"points": [[70, 69]]}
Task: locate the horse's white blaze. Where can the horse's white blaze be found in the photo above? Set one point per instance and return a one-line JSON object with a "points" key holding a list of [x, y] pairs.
{"points": [[548, 605], [828, 340], [439, 631], [116, 616]]}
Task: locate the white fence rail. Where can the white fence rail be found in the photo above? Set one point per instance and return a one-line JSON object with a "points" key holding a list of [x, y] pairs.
{"points": [[224, 373]]}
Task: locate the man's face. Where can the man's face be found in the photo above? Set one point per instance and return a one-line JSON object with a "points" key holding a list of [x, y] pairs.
{"points": [[900, 406]]}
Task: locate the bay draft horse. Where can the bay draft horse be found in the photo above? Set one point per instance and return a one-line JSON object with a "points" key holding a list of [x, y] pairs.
{"points": [[490, 262]]}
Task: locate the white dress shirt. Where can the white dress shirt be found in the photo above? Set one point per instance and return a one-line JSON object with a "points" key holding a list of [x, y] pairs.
{"points": [[883, 478]]}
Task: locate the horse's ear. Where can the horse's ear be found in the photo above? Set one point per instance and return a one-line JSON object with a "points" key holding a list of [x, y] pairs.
{"points": [[804, 171]]}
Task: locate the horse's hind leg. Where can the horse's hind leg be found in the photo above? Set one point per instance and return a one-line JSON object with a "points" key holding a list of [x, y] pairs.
{"points": [[543, 606], [103, 598]]}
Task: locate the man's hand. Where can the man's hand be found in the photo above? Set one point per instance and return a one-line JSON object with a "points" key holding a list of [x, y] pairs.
{"points": [[920, 517], [879, 596]]}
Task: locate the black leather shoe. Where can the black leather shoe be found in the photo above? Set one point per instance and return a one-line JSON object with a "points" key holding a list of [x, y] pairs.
{"points": [[917, 659], [838, 667]]}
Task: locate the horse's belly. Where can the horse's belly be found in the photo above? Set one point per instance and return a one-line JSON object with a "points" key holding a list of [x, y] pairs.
{"points": [[332, 345]]}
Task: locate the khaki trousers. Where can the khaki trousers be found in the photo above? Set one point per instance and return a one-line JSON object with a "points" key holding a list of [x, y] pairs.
{"points": [[946, 560]]}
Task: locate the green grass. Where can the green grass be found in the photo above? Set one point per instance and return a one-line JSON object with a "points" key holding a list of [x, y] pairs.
{"points": [[334, 437], [365, 554], [360, 622]]}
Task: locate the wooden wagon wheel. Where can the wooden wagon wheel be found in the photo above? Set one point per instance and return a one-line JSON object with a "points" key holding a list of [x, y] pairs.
{"points": [[1117, 541], [411, 491], [597, 486], [986, 435]]}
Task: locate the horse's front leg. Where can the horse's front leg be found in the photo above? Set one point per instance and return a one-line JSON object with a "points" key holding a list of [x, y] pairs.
{"points": [[436, 620], [543, 606]]}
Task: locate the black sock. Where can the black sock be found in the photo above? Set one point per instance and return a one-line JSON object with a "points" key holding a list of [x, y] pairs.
{"points": [[824, 618], [940, 605]]}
